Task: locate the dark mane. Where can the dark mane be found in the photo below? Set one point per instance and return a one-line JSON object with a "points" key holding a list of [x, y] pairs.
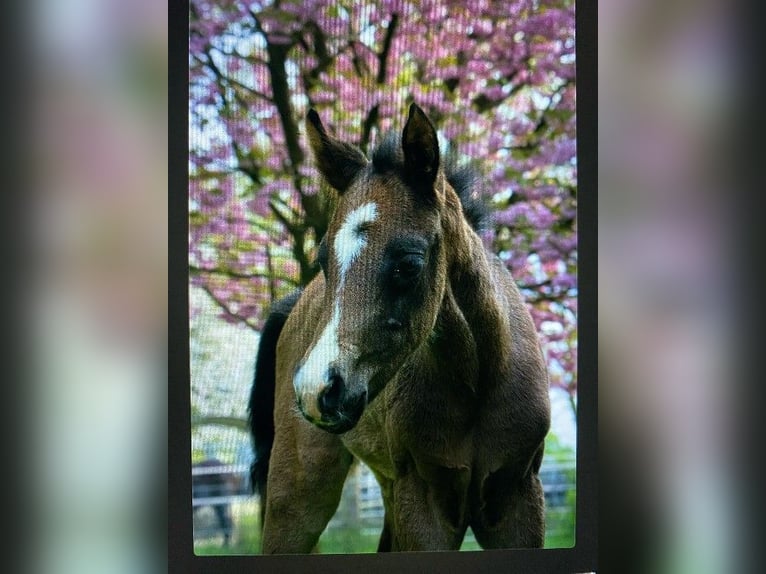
{"points": [[388, 157]]}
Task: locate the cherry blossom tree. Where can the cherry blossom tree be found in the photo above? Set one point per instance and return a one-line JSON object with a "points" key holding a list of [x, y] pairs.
{"points": [[496, 77]]}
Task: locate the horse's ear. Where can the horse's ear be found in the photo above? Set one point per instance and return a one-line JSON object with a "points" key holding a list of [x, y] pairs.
{"points": [[420, 145], [338, 161]]}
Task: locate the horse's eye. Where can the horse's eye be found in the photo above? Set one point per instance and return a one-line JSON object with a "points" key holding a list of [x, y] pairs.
{"points": [[408, 267]]}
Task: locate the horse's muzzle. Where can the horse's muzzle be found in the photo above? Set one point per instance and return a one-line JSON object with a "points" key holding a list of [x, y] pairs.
{"points": [[340, 408]]}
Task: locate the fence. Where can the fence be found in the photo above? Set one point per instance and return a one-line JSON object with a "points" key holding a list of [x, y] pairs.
{"points": [[216, 487]]}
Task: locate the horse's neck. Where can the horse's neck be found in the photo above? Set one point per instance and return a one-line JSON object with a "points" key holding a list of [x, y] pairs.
{"points": [[472, 290]]}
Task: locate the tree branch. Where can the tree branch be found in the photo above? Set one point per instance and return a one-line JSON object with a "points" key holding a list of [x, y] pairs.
{"points": [[291, 226], [372, 117], [572, 401], [219, 73], [235, 422], [277, 57], [370, 121], [195, 270], [228, 82], [228, 312], [320, 49], [298, 232], [388, 40], [535, 286], [539, 295], [535, 137], [248, 89], [270, 267], [552, 297]]}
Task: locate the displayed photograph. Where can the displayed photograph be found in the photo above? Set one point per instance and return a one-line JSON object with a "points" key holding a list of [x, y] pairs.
{"points": [[383, 276]]}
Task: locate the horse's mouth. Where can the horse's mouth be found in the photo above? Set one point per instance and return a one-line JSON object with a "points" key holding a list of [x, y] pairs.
{"points": [[340, 421], [337, 426]]}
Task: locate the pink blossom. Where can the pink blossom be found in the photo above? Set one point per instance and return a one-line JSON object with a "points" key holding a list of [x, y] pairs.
{"points": [[476, 67]]}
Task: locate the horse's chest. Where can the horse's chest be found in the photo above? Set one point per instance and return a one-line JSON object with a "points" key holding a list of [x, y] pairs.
{"points": [[402, 431]]}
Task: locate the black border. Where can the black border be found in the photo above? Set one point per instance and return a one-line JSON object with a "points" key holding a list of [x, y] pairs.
{"points": [[180, 543], [582, 557]]}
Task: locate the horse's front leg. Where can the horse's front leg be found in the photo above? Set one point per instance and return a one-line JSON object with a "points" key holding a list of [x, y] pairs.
{"points": [[306, 474], [513, 514], [428, 515]]}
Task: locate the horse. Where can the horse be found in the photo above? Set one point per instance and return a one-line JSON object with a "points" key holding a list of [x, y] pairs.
{"points": [[412, 351]]}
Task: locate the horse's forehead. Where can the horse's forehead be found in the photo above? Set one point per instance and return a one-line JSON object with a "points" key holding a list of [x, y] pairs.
{"points": [[374, 199], [371, 214], [352, 235]]}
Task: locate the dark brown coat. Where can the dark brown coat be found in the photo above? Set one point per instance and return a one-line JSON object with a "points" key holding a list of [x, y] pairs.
{"points": [[416, 338]]}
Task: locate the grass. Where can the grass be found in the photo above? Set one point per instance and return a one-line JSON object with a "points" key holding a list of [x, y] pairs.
{"points": [[343, 540]]}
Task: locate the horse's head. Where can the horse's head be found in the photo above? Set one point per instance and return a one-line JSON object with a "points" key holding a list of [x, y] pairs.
{"points": [[384, 269]]}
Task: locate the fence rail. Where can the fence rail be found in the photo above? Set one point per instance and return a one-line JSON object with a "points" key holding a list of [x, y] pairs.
{"points": [[224, 485], [221, 469], [219, 500]]}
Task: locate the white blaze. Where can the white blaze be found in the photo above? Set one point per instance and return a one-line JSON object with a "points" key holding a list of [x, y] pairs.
{"points": [[311, 376], [350, 239], [349, 242]]}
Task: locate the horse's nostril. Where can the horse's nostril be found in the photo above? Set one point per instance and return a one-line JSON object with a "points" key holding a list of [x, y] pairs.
{"points": [[329, 398]]}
